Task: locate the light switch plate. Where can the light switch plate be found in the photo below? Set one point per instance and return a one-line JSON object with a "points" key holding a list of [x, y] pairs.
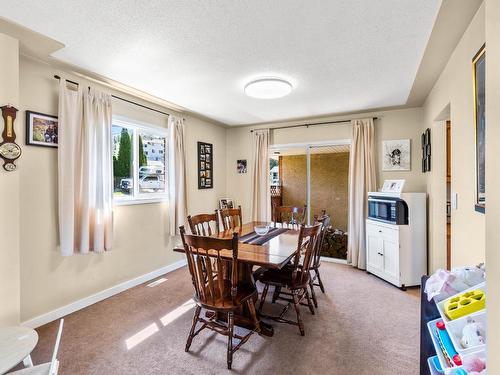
{"points": [[454, 201]]}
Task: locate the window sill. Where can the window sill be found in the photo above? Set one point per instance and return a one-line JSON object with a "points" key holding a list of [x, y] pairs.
{"points": [[134, 201]]}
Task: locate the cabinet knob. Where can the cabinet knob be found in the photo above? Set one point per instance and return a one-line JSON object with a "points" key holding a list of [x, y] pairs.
{"points": [[380, 231]]}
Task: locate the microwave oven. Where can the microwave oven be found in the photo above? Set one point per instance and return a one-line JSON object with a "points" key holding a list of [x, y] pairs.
{"points": [[390, 210]]}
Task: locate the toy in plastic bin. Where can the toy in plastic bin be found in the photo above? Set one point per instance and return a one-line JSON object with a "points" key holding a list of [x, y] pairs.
{"points": [[450, 355], [465, 304]]}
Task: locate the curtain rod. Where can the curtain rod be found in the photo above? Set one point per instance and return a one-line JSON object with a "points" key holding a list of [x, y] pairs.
{"points": [[311, 124], [119, 98]]}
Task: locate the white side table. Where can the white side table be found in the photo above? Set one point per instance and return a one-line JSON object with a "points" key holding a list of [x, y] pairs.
{"points": [[16, 344]]}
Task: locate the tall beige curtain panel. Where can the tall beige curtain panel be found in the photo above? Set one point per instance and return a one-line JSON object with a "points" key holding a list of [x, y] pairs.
{"points": [[362, 179], [177, 169], [261, 196], [85, 172]]}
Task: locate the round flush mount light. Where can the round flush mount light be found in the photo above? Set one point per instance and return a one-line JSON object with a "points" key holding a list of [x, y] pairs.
{"points": [[268, 88]]}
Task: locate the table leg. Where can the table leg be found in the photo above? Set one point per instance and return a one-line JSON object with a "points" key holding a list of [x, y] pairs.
{"points": [[27, 362]]}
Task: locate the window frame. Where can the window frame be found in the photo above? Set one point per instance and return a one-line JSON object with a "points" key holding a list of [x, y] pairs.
{"points": [[138, 127]]}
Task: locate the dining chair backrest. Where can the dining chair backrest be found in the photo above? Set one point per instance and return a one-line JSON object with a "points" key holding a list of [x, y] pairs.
{"points": [[306, 246], [289, 216], [54, 363], [204, 224], [211, 286], [231, 218], [325, 221]]}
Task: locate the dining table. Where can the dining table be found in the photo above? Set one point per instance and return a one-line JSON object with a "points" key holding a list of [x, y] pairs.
{"points": [[16, 344], [270, 251]]}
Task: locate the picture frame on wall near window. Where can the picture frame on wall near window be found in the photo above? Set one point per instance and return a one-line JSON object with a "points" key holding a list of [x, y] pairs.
{"points": [[479, 82], [205, 166]]}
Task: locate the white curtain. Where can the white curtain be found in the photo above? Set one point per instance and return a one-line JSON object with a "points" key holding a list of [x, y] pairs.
{"points": [[362, 179], [261, 196], [85, 175], [177, 167]]}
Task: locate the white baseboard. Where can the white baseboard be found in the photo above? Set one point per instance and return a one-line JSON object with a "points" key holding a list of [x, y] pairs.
{"points": [[333, 260], [90, 300]]}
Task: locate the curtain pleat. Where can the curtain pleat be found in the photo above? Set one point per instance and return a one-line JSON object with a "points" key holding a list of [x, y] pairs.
{"points": [[362, 179], [85, 175], [261, 196], [177, 182]]}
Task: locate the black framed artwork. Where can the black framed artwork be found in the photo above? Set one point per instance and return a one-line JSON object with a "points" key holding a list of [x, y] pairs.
{"points": [[41, 129], [478, 68], [205, 165], [426, 151]]}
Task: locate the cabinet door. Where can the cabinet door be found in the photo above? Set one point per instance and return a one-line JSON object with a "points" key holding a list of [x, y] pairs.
{"points": [[374, 251], [391, 258]]}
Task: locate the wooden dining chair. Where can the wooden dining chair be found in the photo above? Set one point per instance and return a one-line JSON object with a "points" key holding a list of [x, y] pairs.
{"points": [[295, 278], [289, 216], [218, 292], [231, 218], [325, 221], [204, 224]]}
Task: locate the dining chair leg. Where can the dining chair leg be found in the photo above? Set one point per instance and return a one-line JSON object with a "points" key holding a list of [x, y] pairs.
{"points": [[191, 333], [297, 311], [276, 294], [230, 325], [309, 303], [313, 293], [253, 314], [27, 362], [319, 281], [263, 297]]}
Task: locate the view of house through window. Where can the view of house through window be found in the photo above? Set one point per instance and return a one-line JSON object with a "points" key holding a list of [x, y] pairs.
{"points": [[139, 161]]}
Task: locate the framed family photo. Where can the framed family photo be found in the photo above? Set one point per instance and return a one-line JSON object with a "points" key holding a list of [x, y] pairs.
{"points": [[41, 129], [205, 171]]}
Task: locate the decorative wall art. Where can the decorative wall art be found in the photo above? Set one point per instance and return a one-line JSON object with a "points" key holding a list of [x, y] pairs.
{"points": [[241, 166], [396, 155], [426, 151], [478, 66], [41, 129], [205, 166], [226, 203], [9, 149]]}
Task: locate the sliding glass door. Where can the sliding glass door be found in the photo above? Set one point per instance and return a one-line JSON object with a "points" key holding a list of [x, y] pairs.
{"points": [[315, 175]]}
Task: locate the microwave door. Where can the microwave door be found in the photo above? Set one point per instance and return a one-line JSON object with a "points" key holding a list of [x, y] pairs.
{"points": [[380, 210]]}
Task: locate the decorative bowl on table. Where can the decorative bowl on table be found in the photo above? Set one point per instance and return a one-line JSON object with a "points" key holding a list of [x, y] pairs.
{"points": [[261, 230]]}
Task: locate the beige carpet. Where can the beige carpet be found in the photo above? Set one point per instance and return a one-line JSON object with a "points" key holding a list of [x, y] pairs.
{"points": [[363, 326]]}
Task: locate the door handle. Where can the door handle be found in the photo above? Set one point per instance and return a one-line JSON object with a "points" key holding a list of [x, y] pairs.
{"points": [[381, 254]]}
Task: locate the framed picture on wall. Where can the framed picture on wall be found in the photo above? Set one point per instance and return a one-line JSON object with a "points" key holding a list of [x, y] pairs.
{"points": [[41, 129], [396, 155], [478, 69], [205, 165], [241, 166]]}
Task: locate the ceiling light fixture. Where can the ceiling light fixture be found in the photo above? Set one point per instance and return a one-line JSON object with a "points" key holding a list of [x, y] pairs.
{"points": [[268, 88]]}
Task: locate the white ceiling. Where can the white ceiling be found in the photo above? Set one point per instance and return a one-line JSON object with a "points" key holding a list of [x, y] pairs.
{"points": [[341, 56]]}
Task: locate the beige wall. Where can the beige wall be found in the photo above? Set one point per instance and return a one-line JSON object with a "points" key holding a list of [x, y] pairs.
{"points": [[329, 184], [395, 124], [9, 190], [493, 181], [452, 98], [141, 232]]}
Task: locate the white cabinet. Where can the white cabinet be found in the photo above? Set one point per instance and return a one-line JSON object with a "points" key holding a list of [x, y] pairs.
{"points": [[398, 253], [382, 248]]}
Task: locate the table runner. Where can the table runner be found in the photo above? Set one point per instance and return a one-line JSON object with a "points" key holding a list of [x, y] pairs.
{"points": [[255, 239]]}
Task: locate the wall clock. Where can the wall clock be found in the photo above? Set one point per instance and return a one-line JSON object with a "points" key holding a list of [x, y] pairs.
{"points": [[9, 149]]}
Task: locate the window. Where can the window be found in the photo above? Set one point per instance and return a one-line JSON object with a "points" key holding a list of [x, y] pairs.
{"points": [[139, 175]]}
